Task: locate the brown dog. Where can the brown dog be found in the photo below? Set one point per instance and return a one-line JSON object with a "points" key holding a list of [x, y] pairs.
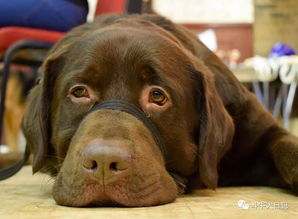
{"points": [[207, 129]]}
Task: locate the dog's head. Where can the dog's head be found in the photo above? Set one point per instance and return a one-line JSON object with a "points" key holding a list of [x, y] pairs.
{"points": [[108, 156]]}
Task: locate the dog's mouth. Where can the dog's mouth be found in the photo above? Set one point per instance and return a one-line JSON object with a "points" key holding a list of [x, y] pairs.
{"points": [[127, 192], [105, 167]]}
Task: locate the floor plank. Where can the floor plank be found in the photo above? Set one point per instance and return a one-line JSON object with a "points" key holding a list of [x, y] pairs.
{"points": [[27, 196]]}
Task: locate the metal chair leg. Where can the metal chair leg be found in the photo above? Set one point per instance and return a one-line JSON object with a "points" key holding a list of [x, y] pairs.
{"points": [[288, 104], [266, 94], [134, 6], [277, 103], [257, 90], [23, 44]]}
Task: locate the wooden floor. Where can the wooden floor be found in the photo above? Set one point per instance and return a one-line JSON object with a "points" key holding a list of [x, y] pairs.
{"points": [[27, 196]]}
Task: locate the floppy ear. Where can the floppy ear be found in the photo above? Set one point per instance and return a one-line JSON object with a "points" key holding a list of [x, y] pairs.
{"points": [[216, 128], [36, 123]]}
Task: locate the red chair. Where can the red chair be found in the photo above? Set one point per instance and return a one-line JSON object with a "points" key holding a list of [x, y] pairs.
{"points": [[10, 35], [13, 39]]}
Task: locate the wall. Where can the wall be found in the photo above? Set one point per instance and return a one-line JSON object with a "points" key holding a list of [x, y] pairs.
{"points": [[275, 21], [206, 11], [229, 36], [230, 19]]}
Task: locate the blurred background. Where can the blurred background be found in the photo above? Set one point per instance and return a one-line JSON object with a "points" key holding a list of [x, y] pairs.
{"points": [[257, 39]]}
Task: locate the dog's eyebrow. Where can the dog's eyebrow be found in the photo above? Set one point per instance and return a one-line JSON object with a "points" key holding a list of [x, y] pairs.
{"points": [[157, 79], [160, 82], [74, 79], [152, 72]]}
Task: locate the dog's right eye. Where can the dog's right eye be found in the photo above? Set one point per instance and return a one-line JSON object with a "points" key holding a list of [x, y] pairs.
{"points": [[79, 92], [82, 94]]}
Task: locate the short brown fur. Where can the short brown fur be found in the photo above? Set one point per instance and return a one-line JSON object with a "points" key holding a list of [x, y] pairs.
{"points": [[216, 133]]}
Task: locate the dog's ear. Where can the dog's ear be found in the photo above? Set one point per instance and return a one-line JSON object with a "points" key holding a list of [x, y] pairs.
{"points": [[36, 123], [216, 127]]}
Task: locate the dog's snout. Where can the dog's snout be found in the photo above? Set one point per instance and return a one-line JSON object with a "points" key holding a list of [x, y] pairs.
{"points": [[106, 162]]}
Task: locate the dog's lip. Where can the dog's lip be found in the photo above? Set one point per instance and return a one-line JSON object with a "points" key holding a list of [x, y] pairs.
{"points": [[110, 198], [95, 195]]}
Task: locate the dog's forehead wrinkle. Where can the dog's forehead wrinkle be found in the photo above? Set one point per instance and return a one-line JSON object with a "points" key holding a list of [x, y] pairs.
{"points": [[111, 39], [109, 57]]}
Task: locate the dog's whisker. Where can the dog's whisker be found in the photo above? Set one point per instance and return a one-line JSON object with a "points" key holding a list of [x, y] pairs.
{"points": [[47, 181], [55, 156], [180, 181], [54, 169]]}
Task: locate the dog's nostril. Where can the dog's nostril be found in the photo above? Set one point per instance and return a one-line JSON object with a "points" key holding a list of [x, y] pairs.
{"points": [[106, 163], [118, 166], [113, 166], [91, 165]]}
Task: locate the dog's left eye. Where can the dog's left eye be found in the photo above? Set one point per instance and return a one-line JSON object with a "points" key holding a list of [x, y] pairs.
{"points": [[79, 92], [158, 97]]}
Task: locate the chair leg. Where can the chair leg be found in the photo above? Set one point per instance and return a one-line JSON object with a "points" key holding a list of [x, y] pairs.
{"points": [[278, 103], [134, 6], [266, 94], [23, 44], [258, 91], [289, 104]]}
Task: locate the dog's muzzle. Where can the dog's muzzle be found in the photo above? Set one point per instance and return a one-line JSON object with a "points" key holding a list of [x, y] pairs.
{"points": [[133, 110]]}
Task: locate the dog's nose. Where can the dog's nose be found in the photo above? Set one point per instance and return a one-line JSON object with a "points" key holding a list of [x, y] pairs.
{"points": [[106, 162]]}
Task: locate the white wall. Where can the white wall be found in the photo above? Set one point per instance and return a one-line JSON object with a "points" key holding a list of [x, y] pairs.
{"points": [[206, 11]]}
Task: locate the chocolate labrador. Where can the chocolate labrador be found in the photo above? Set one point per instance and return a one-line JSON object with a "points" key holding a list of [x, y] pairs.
{"points": [[135, 110]]}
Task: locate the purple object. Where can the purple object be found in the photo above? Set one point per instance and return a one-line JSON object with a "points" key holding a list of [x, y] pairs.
{"points": [[280, 49]]}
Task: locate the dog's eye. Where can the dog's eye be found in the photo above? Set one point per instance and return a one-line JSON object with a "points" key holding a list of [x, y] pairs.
{"points": [[158, 97], [80, 92]]}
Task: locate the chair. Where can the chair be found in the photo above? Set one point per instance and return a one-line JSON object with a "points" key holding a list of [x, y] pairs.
{"points": [[14, 39]]}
